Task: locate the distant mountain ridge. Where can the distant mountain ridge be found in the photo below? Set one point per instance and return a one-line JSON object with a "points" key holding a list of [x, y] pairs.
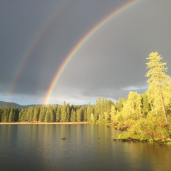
{"points": [[2, 104]]}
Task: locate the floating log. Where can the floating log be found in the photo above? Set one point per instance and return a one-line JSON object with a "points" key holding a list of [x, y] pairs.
{"points": [[63, 138]]}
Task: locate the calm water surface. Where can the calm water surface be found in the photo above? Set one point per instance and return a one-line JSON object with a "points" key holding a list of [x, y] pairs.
{"points": [[40, 147]]}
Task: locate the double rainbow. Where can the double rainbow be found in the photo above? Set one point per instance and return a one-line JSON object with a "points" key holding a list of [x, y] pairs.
{"points": [[80, 43]]}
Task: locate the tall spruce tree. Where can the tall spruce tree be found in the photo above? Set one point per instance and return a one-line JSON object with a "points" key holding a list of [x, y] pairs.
{"points": [[85, 114], [58, 114], [113, 113], [89, 112], [63, 113], [158, 81]]}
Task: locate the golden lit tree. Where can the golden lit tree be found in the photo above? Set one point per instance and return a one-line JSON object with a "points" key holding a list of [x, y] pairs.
{"points": [[158, 83]]}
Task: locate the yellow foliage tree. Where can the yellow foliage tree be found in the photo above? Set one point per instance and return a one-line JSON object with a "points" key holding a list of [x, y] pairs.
{"points": [[158, 84], [132, 107]]}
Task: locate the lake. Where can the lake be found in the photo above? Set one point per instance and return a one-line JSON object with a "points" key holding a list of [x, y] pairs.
{"points": [[40, 147]]}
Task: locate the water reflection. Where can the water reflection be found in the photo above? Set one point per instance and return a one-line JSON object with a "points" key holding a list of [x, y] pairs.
{"points": [[40, 147]]}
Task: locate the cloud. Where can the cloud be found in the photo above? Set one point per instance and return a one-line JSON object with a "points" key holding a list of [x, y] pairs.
{"points": [[109, 64], [134, 88]]}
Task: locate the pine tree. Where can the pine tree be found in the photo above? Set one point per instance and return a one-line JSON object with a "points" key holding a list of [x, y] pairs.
{"points": [[96, 113], [11, 115], [68, 112], [79, 115], [101, 117], [89, 112], [63, 113], [48, 116], [145, 104], [41, 115], [92, 118], [0, 114], [74, 116], [113, 113], [16, 114], [85, 114], [97, 109], [52, 116], [36, 114], [58, 114], [31, 114], [21, 115], [157, 82]]}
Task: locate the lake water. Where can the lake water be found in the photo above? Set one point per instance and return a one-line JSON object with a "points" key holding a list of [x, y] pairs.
{"points": [[40, 147]]}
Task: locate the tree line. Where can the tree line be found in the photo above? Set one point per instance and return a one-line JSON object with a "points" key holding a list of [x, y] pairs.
{"points": [[155, 103]]}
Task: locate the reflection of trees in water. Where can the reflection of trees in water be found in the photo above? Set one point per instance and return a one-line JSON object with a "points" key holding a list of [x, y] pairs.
{"points": [[43, 144], [150, 156]]}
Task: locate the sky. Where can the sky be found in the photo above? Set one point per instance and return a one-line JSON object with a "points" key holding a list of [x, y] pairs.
{"points": [[37, 36]]}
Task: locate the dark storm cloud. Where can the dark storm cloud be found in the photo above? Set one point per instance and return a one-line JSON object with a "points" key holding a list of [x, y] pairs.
{"points": [[110, 64]]}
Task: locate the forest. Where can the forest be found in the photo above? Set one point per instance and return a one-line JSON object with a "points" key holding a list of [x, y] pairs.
{"points": [[144, 116]]}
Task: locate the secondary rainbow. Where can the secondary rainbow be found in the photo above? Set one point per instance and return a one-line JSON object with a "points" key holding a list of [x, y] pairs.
{"points": [[37, 37], [80, 43]]}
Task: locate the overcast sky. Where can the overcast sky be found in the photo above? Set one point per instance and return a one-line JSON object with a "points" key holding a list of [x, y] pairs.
{"points": [[109, 64]]}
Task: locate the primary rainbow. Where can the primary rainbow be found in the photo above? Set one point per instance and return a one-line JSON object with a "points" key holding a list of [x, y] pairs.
{"points": [[80, 43]]}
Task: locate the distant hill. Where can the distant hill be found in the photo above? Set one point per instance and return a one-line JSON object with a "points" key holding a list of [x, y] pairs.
{"points": [[2, 104]]}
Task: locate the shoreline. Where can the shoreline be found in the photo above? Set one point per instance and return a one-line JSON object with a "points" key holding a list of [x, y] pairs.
{"points": [[34, 123]]}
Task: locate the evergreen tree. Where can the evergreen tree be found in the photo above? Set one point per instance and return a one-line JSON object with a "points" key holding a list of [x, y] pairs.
{"points": [[36, 113], [5, 114], [63, 113], [157, 82], [85, 114], [11, 115], [96, 113], [101, 117], [58, 114], [68, 112], [145, 104], [16, 114], [89, 112], [21, 115], [48, 116], [92, 118], [31, 114], [113, 113], [0, 114], [52, 116], [41, 115], [74, 116], [79, 115], [97, 109]]}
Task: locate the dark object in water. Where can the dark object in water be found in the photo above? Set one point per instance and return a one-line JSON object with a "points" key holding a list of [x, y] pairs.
{"points": [[162, 145], [108, 126], [143, 141], [98, 138], [135, 140], [129, 139], [122, 140], [114, 139], [63, 138]]}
